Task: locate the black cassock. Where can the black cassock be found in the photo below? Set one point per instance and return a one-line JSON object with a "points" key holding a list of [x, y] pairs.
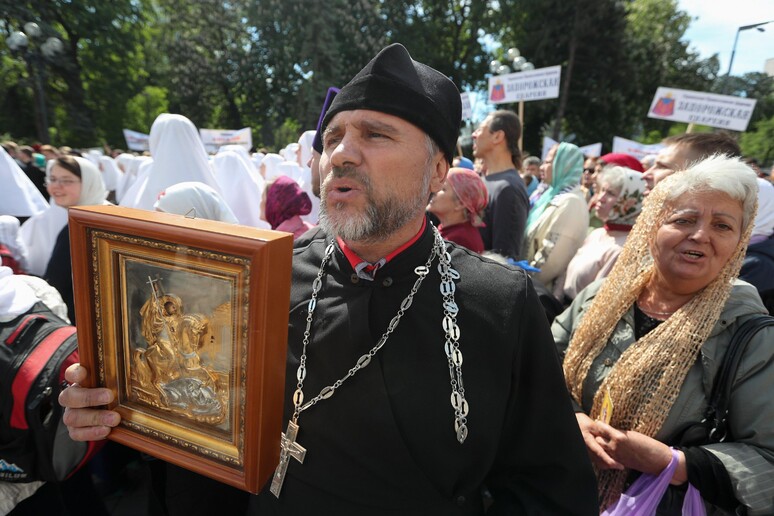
{"points": [[385, 443]]}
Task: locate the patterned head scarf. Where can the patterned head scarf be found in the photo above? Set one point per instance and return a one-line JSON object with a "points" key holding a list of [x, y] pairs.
{"points": [[641, 393], [629, 203], [284, 200], [471, 192], [567, 169]]}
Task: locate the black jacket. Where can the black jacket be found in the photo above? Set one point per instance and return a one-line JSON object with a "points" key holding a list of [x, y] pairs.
{"points": [[384, 442]]}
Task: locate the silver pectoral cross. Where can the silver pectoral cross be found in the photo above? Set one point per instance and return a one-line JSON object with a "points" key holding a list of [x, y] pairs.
{"points": [[288, 448]]}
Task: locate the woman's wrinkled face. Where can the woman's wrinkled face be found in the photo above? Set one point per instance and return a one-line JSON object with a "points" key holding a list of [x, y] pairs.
{"points": [[697, 239], [63, 186], [605, 200]]}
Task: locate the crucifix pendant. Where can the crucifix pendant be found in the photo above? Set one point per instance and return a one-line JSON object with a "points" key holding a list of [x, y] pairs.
{"points": [[288, 448]]}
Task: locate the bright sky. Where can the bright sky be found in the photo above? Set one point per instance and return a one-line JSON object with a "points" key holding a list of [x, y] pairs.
{"points": [[714, 29]]}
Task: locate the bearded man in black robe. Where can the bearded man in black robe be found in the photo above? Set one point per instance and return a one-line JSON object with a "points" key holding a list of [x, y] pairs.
{"points": [[419, 374]]}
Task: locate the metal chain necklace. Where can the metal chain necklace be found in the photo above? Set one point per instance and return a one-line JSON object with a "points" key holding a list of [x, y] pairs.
{"points": [[288, 445]]}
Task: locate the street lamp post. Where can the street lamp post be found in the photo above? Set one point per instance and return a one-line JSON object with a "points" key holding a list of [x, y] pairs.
{"points": [[518, 63], [757, 26], [34, 50]]}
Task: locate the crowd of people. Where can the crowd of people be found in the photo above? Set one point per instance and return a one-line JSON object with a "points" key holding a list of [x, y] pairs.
{"points": [[593, 299]]}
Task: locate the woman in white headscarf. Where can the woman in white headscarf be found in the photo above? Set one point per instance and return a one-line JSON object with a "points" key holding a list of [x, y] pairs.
{"points": [[123, 160], [18, 195], [257, 158], [111, 175], [269, 166], [290, 152], [131, 175], [178, 155], [39, 233], [72, 182], [240, 191], [12, 248], [196, 200], [243, 153]]}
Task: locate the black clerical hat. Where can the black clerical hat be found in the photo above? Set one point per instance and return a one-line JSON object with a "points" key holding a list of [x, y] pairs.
{"points": [[394, 83]]}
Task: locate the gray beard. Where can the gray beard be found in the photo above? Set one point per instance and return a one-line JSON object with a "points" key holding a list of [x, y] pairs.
{"points": [[380, 218]]}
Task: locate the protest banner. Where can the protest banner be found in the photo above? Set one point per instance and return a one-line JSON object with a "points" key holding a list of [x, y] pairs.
{"points": [[540, 84], [136, 141], [590, 151], [467, 111], [636, 149], [214, 139], [696, 107]]}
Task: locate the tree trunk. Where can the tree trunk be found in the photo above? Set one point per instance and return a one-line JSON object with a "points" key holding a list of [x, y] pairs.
{"points": [[563, 97]]}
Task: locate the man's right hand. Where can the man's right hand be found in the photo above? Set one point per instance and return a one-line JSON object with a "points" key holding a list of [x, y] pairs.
{"points": [[84, 422]]}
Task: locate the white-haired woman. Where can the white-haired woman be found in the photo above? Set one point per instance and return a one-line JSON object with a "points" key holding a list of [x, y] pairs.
{"points": [[643, 347]]}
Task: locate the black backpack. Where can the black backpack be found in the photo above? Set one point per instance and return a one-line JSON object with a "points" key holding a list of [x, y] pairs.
{"points": [[35, 350]]}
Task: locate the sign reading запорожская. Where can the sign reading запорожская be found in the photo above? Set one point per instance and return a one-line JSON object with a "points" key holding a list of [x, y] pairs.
{"points": [[696, 107], [540, 84]]}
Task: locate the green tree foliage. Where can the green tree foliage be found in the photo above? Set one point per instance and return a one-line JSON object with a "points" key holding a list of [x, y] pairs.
{"points": [[204, 49], [759, 143], [268, 64], [446, 35], [301, 48], [89, 82], [143, 108]]}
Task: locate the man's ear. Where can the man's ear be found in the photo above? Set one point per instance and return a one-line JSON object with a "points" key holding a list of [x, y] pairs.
{"points": [[438, 174], [498, 136]]}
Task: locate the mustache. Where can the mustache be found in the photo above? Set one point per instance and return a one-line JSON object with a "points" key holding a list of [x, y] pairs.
{"points": [[350, 172]]}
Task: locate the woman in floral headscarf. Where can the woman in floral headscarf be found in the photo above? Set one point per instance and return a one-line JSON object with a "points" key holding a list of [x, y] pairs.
{"points": [[458, 206], [619, 201], [558, 221], [285, 202]]}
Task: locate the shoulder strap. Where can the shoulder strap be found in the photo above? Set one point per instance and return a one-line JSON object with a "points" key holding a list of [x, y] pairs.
{"points": [[721, 387]]}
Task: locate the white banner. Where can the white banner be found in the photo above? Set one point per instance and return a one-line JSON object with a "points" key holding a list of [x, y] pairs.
{"points": [[214, 139], [467, 111], [539, 84], [696, 107], [136, 141], [590, 151], [636, 149]]}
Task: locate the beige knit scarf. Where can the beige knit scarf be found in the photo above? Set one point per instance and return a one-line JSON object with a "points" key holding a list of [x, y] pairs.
{"points": [[647, 378]]}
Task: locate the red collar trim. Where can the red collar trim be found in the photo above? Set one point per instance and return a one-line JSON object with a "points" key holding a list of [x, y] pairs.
{"points": [[355, 260]]}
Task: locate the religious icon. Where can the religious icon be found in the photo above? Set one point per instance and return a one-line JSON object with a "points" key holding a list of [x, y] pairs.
{"points": [[167, 371], [185, 320]]}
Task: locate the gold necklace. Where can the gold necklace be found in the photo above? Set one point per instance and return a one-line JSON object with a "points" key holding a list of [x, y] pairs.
{"points": [[647, 311]]}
